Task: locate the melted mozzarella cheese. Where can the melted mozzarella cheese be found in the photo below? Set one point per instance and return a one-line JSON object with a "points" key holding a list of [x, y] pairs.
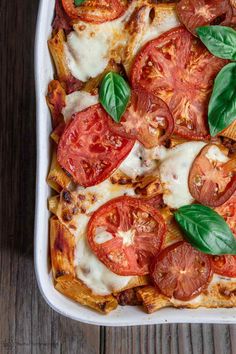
{"points": [[90, 47], [139, 162], [94, 273], [77, 102], [216, 155], [174, 172]]}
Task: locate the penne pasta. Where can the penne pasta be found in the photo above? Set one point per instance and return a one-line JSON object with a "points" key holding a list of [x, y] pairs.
{"points": [[53, 203], [77, 291], [230, 132], [57, 178], [152, 299], [56, 47], [56, 98], [62, 246], [173, 232]]}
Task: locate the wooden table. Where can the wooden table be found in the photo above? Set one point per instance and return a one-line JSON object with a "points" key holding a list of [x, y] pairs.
{"points": [[27, 324]]}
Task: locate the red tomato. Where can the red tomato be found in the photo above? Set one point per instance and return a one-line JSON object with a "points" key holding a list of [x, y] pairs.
{"points": [[179, 69], [95, 11], [226, 265], [134, 234], [196, 13], [210, 182], [88, 150], [228, 212], [181, 271], [147, 119]]}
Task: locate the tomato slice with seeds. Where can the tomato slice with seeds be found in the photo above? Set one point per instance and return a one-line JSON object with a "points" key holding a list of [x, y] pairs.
{"points": [[226, 265], [178, 68], [88, 150], [181, 271], [125, 234], [95, 11], [147, 119], [211, 181], [196, 13]]}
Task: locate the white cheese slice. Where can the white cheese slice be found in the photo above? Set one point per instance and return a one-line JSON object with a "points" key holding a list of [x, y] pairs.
{"points": [[216, 155], [139, 162], [174, 171], [90, 46], [76, 102], [94, 273]]}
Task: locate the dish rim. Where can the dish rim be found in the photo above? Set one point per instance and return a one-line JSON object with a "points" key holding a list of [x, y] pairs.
{"points": [[170, 315]]}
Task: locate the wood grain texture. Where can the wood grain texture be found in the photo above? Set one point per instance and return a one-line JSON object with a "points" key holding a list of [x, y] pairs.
{"points": [[27, 324]]}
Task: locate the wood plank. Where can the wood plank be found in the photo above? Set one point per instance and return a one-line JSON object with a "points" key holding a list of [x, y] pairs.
{"points": [[222, 341], [208, 342]]}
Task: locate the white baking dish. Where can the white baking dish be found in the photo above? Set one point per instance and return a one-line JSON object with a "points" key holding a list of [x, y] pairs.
{"points": [[125, 316]]}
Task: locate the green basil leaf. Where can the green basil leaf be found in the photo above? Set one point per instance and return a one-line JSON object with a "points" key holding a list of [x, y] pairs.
{"points": [[219, 40], [222, 106], [206, 230], [114, 95], [78, 2]]}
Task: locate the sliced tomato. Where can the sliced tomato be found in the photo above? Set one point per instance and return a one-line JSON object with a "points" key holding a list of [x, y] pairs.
{"points": [[181, 271], [228, 212], [125, 234], [212, 182], [88, 150], [95, 11], [147, 119], [179, 69], [226, 265], [196, 13]]}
